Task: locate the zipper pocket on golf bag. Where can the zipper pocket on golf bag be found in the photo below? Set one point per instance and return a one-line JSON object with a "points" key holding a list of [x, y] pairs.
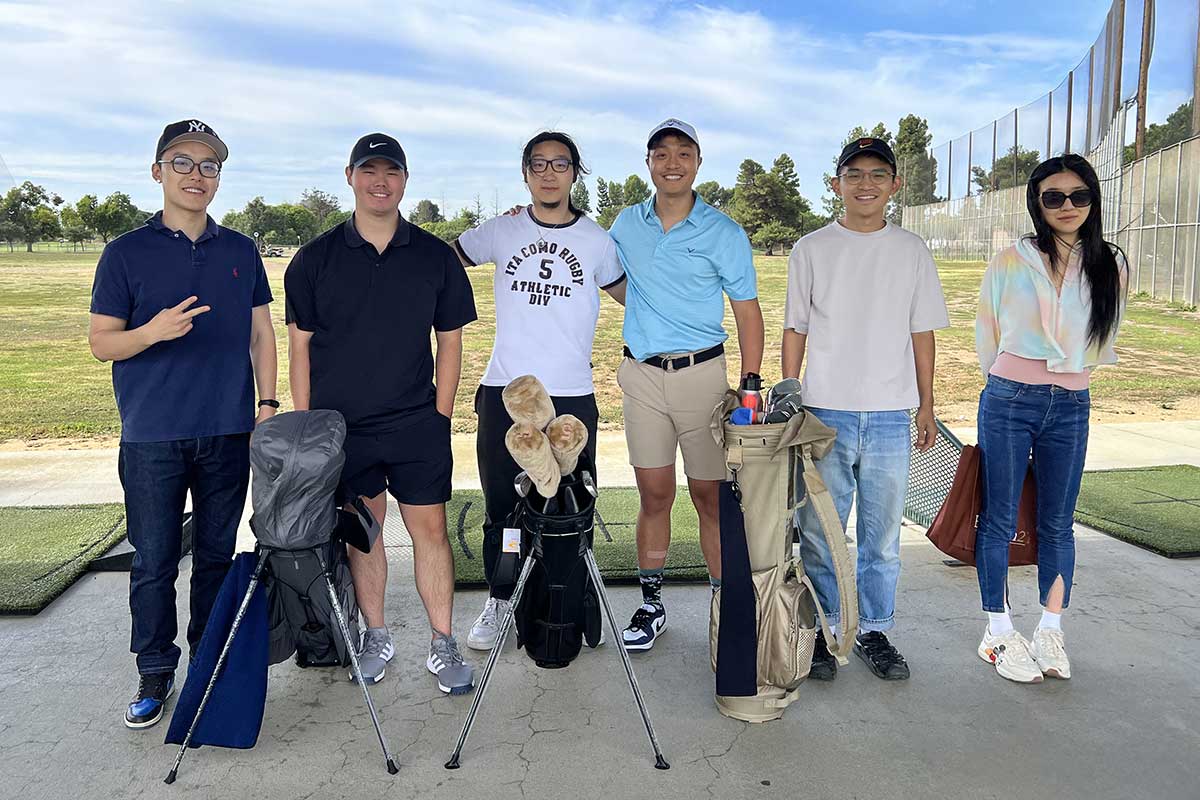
{"points": [[783, 613]]}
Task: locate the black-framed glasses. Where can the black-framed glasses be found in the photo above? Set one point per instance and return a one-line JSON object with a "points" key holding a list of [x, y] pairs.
{"points": [[184, 166], [1080, 198], [876, 176], [539, 165]]}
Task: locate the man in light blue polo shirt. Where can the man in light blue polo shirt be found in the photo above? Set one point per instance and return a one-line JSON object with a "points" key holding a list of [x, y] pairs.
{"points": [[681, 258]]}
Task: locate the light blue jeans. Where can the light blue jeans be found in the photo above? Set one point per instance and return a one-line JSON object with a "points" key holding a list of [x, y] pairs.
{"points": [[869, 460]]}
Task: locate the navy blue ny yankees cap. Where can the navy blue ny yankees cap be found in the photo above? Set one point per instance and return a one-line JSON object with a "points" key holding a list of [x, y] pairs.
{"points": [[191, 130], [378, 145]]}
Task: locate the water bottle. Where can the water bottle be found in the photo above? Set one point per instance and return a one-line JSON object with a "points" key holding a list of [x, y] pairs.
{"points": [[750, 392]]}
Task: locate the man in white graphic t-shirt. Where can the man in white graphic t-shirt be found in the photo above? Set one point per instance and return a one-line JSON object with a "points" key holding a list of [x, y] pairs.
{"points": [[550, 263]]}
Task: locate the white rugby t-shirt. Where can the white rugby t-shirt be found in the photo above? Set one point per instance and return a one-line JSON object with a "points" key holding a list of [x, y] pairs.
{"points": [[546, 285]]}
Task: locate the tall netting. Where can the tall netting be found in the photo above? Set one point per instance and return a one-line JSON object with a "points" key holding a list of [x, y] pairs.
{"points": [[1144, 145]]}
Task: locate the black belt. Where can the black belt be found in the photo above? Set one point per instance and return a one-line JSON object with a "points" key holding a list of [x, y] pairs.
{"points": [[673, 364]]}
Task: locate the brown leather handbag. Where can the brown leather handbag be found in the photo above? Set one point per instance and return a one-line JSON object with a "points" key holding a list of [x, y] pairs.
{"points": [[953, 529]]}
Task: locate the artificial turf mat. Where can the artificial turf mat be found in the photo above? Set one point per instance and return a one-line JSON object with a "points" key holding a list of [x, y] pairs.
{"points": [[44, 549], [1157, 508], [615, 543]]}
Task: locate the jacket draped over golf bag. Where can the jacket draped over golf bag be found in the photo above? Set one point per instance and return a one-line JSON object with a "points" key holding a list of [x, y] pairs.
{"points": [[761, 624], [559, 609], [297, 464]]}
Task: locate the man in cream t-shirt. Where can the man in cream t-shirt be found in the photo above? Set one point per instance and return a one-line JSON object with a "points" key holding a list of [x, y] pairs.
{"points": [[550, 263], [863, 301]]}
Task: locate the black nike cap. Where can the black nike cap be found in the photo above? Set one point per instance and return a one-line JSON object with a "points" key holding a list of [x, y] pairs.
{"points": [[378, 145]]}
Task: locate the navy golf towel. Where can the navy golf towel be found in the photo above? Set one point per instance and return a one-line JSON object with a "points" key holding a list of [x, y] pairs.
{"points": [[737, 636], [234, 712]]}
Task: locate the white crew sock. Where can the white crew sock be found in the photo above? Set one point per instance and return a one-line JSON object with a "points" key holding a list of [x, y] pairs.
{"points": [[999, 622], [1051, 620]]}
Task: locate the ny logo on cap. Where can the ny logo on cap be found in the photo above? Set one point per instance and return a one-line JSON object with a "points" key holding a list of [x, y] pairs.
{"points": [[196, 126]]}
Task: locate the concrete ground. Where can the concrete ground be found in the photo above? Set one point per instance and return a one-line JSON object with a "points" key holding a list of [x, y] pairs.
{"points": [[1127, 725]]}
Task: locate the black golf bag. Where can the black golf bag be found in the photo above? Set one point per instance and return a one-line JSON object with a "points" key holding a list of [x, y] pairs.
{"points": [[560, 608], [299, 613]]}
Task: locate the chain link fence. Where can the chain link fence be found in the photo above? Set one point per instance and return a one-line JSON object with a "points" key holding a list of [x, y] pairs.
{"points": [[1129, 107]]}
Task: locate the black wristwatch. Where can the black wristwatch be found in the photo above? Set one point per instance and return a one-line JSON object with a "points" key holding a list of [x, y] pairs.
{"points": [[272, 403]]}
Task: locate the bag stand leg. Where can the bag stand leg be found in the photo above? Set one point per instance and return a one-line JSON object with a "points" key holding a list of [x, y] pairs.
{"points": [[505, 624], [358, 677], [619, 646], [233, 629]]}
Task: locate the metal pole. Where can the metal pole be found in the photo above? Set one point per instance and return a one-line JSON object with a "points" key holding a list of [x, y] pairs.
{"points": [[598, 582], [1196, 240], [358, 676], [1139, 142], [1070, 107], [1087, 133], [1117, 54], [1175, 215], [1157, 214], [1016, 143], [1050, 123], [1142, 228], [212, 681], [481, 689]]}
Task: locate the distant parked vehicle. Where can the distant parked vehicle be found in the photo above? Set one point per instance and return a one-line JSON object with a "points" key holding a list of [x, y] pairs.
{"points": [[274, 251]]}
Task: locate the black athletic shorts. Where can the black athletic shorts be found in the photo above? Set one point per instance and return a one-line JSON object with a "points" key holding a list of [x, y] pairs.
{"points": [[413, 461]]}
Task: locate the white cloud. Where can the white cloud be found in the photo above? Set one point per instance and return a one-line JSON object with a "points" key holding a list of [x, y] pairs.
{"points": [[478, 78]]}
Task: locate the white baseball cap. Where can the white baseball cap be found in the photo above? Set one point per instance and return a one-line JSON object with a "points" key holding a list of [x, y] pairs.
{"points": [[674, 126]]}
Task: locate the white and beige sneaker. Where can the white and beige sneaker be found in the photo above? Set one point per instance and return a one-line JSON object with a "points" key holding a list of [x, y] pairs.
{"points": [[1010, 655], [1050, 654]]}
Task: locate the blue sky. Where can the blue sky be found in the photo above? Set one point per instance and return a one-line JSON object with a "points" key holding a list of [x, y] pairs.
{"points": [[87, 86]]}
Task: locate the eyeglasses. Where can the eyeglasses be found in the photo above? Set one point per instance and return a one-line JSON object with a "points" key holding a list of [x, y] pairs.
{"points": [[855, 176], [1080, 198], [539, 165], [184, 166]]}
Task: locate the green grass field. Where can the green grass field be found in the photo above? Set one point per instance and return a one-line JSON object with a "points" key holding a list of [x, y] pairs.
{"points": [[51, 387], [1157, 508]]}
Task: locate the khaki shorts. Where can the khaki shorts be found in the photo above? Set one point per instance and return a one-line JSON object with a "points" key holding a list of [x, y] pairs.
{"points": [[665, 410]]}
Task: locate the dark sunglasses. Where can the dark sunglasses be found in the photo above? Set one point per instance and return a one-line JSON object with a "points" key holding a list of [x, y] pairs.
{"points": [[1080, 198]]}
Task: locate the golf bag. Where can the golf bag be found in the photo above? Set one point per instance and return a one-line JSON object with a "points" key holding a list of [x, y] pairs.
{"points": [[560, 608], [761, 623], [296, 460]]}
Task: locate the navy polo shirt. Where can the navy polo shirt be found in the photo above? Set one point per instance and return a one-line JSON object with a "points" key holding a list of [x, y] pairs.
{"points": [[370, 315], [200, 384]]}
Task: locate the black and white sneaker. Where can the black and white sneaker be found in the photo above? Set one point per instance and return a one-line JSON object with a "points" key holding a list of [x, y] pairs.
{"points": [[647, 623], [824, 663], [879, 654], [146, 708]]}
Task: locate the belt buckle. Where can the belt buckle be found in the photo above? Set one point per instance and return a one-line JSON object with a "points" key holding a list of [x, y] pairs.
{"points": [[669, 365]]}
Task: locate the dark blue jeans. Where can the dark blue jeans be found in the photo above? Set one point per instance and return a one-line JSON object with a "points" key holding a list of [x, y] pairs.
{"points": [[156, 477], [1015, 420]]}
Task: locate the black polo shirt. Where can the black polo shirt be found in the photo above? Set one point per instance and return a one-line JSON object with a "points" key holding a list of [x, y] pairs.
{"points": [[371, 313]]}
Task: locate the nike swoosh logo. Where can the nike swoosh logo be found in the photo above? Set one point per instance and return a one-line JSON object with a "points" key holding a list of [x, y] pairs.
{"points": [[377, 144]]}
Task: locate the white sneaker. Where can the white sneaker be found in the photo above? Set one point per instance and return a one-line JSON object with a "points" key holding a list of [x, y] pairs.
{"points": [[486, 629], [1050, 654], [1010, 655]]}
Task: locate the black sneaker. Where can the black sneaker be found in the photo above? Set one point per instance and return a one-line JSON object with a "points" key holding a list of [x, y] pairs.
{"points": [[883, 659], [146, 708], [647, 624], [824, 664]]}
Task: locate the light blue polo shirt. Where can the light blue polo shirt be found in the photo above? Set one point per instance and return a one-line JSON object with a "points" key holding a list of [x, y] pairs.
{"points": [[673, 301]]}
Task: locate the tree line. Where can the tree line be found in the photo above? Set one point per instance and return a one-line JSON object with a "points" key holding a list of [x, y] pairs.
{"points": [[767, 203]]}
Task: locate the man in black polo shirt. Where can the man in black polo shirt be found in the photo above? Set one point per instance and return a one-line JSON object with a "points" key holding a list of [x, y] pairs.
{"points": [[361, 301], [180, 308]]}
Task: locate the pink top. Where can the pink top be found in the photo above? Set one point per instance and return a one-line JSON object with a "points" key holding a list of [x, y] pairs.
{"points": [[1034, 371]]}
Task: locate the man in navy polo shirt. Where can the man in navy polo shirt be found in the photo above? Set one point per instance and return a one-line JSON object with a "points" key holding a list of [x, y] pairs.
{"points": [[180, 308], [682, 257], [362, 299]]}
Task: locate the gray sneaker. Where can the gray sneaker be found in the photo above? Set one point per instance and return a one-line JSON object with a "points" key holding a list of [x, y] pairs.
{"points": [[454, 676], [377, 649]]}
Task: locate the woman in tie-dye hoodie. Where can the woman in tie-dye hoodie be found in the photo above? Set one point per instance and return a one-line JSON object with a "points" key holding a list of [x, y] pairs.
{"points": [[1049, 310]]}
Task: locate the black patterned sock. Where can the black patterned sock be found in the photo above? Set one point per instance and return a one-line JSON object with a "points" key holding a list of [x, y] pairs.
{"points": [[651, 580]]}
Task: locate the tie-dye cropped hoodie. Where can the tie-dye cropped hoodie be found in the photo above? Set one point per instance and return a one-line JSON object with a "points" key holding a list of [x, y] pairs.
{"points": [[1020, 313]]}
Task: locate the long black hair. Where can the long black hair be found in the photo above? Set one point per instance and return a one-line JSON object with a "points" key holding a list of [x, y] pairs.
{"points": [[1099, 260], [577, 167]]}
